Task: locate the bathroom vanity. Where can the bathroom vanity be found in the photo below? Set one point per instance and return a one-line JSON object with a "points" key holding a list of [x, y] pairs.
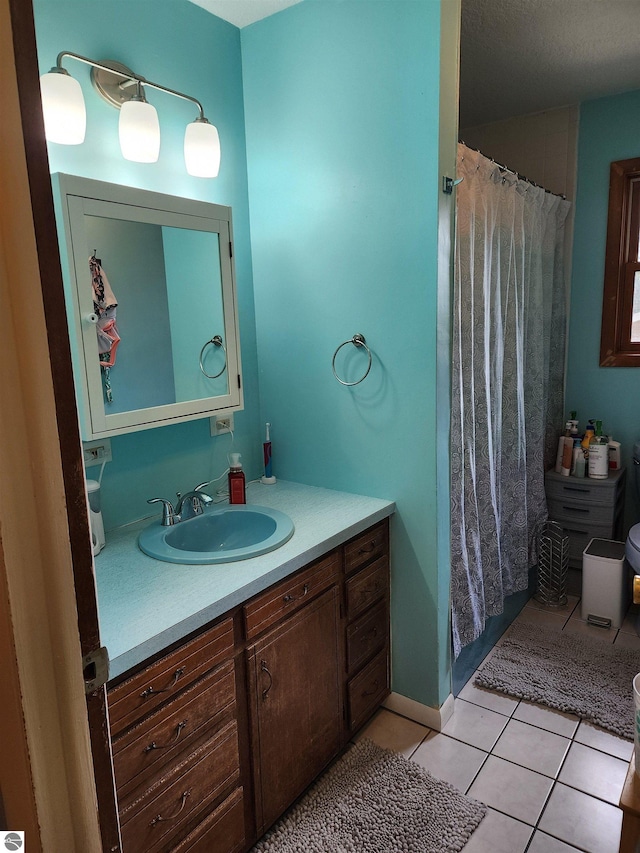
{"points": [[217, 732]]}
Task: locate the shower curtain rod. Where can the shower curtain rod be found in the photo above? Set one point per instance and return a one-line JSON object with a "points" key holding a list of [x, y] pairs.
{"points": [[512, 171]]}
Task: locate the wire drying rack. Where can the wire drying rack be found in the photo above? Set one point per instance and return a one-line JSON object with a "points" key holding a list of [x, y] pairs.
{"points": [[553, 566]]}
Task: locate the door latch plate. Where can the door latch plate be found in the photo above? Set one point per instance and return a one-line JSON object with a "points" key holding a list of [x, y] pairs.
{"points": [[95, 669]]}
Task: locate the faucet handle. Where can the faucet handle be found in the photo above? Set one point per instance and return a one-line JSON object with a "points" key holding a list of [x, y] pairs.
{"points": [[168, 514]]}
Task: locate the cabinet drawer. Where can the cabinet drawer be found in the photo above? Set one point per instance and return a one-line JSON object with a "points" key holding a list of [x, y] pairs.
{"points": [[150, 687], [173, 728], [368, 689], [286, 597], [584, 513], [164, 809], [369, 546], [366, 587], [584, 490], [221, 832], [579, 537], [367, 635]]}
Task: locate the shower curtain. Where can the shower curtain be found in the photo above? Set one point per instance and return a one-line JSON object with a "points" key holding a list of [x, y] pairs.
{"points": [[509, 329]]}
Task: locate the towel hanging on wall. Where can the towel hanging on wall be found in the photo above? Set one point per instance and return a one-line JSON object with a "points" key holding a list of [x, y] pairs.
{"points": [[104, 306]]}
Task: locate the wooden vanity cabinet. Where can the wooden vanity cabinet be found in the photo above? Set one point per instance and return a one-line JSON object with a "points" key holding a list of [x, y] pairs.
{"points": [[176, 754], [366, 592], [295, 696], [216, 738]]}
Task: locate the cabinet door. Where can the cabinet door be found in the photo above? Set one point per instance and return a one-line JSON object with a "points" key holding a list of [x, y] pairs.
{"points": [[294, 684]]}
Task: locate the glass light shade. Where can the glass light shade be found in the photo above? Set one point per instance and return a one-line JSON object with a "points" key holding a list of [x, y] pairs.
{"points": [[202, 149], [65, 115], [139, 131]]}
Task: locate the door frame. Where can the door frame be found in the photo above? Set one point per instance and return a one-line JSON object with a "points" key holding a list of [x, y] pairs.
{"points": [[49, 583]]}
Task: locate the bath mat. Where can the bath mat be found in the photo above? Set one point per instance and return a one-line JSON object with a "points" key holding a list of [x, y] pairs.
{"points": [[376, 801], [567, 672]]}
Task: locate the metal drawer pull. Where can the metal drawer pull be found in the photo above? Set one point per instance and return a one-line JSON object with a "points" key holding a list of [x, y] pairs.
{"points": [[370, 547], [151, 692], [159, 819], [154, 745], [264, 668], [376, 687], [288, 598], [372, 632], [371, 590]]}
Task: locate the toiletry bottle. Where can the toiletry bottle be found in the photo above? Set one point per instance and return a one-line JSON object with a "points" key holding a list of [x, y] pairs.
{"points": [[237, 494], [558, 466], [575, 453], [598, 454], [614, 454], [567, 451], [588, 433], [574, 424], [578, 469]]}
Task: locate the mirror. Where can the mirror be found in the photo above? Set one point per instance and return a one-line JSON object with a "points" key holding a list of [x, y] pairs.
{"points": [[151, 305]]}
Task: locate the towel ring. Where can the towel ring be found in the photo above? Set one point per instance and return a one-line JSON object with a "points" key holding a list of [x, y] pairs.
{"points": [[357, 341], [216, 340]]}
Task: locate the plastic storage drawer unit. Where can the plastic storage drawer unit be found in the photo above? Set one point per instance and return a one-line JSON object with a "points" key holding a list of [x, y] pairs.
{"points": [[605, 583]]}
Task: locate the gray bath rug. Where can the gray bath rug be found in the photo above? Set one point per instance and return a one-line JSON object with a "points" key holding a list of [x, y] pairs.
{"points": [[568, 672], [376, 801]]}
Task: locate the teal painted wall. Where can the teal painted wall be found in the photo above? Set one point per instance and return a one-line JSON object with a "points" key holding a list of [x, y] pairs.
{"points": [[342, 118], [183, 47], [609, 130], [342, 143]]}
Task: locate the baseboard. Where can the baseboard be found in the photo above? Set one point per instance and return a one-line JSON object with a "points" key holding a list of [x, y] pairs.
{"points": [[433, 718]]}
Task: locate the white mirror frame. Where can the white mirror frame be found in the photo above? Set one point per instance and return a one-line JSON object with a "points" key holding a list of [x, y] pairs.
{"points": [[73, 196]]}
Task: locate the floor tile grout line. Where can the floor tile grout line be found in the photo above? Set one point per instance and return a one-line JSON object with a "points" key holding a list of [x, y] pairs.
{"points": [[557, 838], [477, 773], [587, 794]]}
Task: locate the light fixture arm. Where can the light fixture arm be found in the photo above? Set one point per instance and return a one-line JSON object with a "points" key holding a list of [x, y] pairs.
{"points": [[129, 76], [65, 114]]}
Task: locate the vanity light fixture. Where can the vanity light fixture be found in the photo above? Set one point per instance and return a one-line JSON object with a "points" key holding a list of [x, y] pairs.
{"points": [[139, 130]]}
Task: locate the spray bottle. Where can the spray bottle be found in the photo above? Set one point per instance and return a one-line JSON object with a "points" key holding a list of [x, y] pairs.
{"points": [[588, 435]]}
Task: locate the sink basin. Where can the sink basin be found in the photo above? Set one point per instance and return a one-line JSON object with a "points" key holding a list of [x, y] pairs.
{"points": [[218, 535]]}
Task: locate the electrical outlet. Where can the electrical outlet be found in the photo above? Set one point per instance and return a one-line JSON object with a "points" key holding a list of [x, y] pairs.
{"points": [[96, 452], [221, 424]]}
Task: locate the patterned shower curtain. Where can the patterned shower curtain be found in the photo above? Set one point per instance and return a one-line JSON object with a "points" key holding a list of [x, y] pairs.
{"points": [[509, 329]]}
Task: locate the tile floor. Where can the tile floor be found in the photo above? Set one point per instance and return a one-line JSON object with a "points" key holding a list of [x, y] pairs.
{"points": [[552, 782]]}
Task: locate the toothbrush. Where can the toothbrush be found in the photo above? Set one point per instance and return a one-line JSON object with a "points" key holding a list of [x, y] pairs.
{"points": [[267, 478], [266, 451]]}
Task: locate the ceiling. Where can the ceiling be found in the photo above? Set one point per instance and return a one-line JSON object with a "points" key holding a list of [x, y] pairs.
{"points": [[521, 56], [524, 56], [243, 12]]}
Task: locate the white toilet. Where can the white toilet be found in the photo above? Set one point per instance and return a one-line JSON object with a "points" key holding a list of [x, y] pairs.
{"points": [[632, 548]]}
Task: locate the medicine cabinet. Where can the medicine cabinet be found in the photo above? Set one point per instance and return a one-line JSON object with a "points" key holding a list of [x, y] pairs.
{"points": [[151, 305]]}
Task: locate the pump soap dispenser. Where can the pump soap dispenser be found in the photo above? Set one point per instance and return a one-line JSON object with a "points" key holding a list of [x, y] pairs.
{"points": [[237, 493]]}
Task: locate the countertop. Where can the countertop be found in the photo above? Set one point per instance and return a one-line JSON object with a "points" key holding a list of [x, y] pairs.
{"points": [[145, 605]]}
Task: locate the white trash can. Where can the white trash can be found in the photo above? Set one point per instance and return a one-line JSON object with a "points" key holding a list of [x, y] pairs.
{"points": [[605, 583]]}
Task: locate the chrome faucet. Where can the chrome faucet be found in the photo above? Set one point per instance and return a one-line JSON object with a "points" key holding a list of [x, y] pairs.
{"points": [[192, 503], [189, 505]]}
